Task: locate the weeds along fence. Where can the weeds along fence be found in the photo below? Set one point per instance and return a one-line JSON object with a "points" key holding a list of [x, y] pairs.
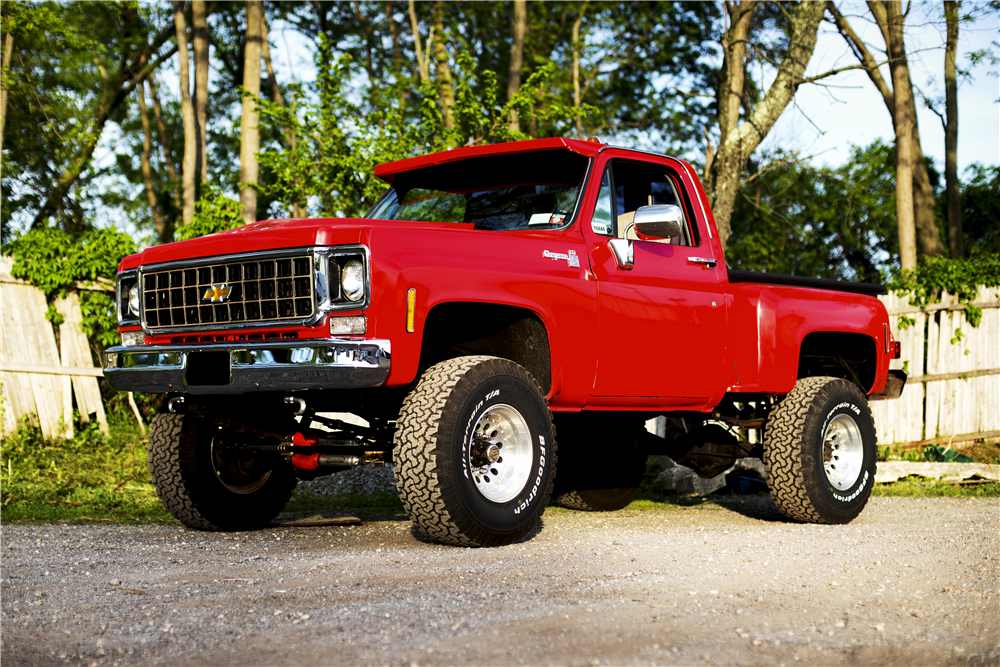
{"points": [[40, 376], [952, 393]]}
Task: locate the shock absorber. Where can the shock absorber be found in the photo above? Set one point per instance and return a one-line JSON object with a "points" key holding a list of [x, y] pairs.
{"points": [[321, 460]]}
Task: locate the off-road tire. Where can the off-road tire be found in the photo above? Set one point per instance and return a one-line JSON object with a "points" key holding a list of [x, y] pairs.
{"points": [[180, 462], [601, 466], [434, 436], [794, 451]]}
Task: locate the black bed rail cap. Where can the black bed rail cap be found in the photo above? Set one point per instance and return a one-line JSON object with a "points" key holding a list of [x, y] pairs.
{"points": [[870, 289]]}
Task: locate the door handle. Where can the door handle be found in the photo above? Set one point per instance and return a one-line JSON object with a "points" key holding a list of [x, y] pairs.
{"points": [[707, 261]]}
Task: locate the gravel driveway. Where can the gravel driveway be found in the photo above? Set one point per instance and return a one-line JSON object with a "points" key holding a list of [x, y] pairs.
{"points": [[911, 582]]}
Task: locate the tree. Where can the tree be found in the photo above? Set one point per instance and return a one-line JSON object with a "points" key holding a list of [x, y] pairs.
{"points": [[955, 236], [740, 134], [147, 171], [200, 42], [922, 194], [905, 122], [516, 56], [249, 135], [826, 223], [189, 166]]}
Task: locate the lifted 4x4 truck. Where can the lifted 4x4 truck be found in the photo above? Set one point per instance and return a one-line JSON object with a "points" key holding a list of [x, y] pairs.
{"points": [[494, 297]]}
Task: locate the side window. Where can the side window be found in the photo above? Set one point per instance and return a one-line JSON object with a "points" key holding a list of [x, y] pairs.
{"points": [[603, 222], [639, 185]]}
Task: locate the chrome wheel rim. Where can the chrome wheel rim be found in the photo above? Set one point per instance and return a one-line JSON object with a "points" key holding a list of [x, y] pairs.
{"points": [[239, 474], [843, 452], [500, 454]]}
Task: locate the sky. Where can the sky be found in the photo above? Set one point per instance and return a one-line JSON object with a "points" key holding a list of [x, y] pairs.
{"points": [[825, 120]]}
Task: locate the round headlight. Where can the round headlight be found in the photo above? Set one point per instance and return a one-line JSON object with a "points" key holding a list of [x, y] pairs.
{"points": [[352, 280], [133, 299]]}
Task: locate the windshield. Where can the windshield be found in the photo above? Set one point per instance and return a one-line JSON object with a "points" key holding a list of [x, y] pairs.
{"points": [[537, 190]]}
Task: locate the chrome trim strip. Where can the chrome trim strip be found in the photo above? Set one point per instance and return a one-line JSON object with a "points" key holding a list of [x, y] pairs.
{"points": [[323, 363], [321, 257]]}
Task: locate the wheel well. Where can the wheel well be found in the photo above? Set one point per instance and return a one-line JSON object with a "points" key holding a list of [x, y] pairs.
{"points": [[850, 356], [460, 329]]}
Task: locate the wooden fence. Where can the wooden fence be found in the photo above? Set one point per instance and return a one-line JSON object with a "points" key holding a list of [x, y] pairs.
{"points": [[38, 376], [952, 393]]}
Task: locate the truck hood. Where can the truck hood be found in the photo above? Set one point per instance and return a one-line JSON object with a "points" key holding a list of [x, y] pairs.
{"points": [[276, 235]]}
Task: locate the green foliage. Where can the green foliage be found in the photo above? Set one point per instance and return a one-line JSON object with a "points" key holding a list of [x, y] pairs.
{"points": [[825, 223], [213, 213], [980, 199], [67, 60], [88, 478], [331, 167], [54, 262], [960, 277]]}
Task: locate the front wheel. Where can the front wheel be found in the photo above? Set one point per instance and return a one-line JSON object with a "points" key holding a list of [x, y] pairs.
{"points": [[475, 452], [208, 480], [820, 451]]}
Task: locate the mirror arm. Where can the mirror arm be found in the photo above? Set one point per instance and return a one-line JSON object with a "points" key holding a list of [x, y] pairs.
{"points": [[624, 254]]}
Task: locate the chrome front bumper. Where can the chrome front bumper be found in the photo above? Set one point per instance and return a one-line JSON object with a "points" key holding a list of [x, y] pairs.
{"points": [[239, 368]]}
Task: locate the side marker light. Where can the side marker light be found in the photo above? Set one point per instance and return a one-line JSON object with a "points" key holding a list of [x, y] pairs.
{"points": [[411, 306]]}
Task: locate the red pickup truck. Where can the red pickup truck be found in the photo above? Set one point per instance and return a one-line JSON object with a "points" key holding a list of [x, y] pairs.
{"points": [[494, 297]]}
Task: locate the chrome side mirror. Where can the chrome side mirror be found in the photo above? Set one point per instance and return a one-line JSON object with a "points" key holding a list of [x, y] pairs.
{"points": [[622, 250], [658, 222]]}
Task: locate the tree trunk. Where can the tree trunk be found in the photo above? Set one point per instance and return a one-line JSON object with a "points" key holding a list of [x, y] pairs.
{"points": [[147, 170], [249, 133], [443, 69], [423, 64], [577, 95], [923, 195], [738, 142], [199, 23], [903, 95], [288, 134], [516, 56], [8, 50], [162, 130], [189, 165], [956, 239]]}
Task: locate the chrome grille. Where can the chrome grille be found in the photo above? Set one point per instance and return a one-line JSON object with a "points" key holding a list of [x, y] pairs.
{"points": [[246, 291]]}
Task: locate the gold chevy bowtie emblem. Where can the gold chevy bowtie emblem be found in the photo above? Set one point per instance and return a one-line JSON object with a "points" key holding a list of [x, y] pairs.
{"points": [[217, 293]]}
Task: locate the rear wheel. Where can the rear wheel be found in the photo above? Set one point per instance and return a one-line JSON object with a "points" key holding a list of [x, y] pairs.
{"points": [[820, 451], [602, 465], [475, 452], [209, 481]]}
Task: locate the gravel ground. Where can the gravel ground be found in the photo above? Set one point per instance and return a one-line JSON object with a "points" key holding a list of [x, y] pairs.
{"points": [[364, 480], [911, 582]]}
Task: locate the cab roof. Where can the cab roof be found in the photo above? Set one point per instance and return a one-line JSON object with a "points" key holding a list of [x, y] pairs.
{"points": [[390, 170]]}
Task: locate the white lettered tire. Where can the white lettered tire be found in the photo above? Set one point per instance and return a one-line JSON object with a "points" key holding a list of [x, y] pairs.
{"points": [[475, 452], [820, 451]]}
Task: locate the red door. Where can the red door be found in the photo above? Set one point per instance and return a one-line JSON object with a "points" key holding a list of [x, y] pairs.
{"points": [[662, 323]]}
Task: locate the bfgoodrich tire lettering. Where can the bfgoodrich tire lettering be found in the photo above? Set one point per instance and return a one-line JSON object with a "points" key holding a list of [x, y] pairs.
{"points": [[206, 484], [820, 451], [445, 449]]}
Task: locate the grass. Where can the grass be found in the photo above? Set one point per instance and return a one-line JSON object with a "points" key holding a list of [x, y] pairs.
{"points": [[90, 478], [96, 478]]}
